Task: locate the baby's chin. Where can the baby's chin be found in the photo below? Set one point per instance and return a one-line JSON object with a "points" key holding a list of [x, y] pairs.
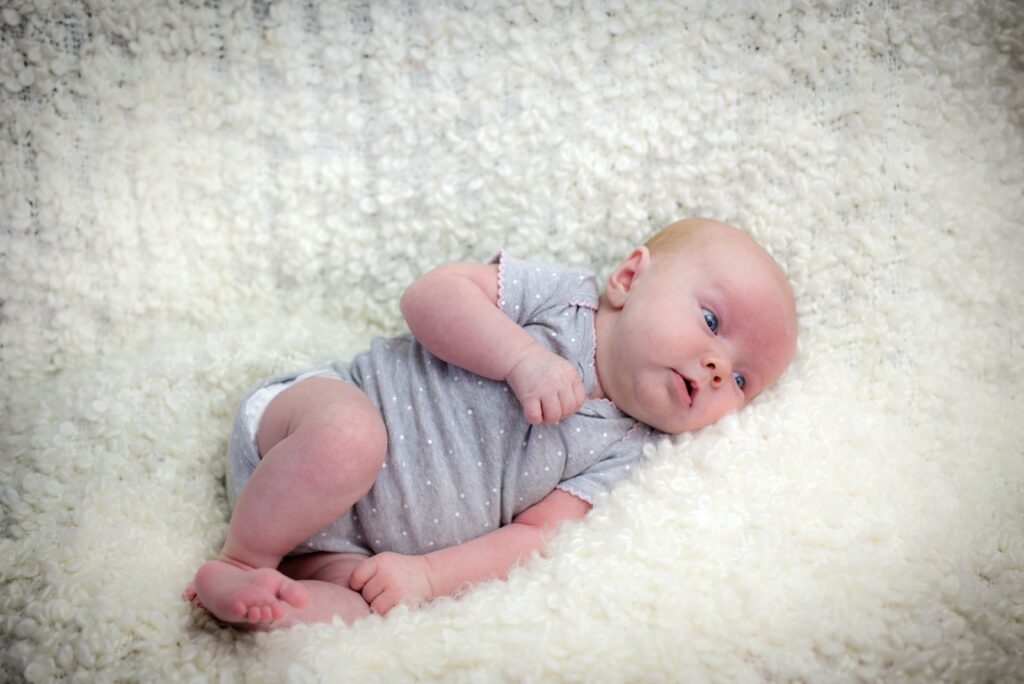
{"points": [[671, 426], [677, 425]]}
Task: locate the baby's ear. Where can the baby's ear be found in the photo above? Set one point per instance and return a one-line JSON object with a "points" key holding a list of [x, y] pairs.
{"points": [[621, 280]]}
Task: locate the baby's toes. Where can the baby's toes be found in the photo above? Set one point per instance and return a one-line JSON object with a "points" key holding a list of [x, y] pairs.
{"points": [[238, 610], [190, 594]]}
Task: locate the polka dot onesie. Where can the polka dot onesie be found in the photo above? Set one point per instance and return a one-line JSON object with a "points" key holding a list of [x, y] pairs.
{"points": [[462, 460]]}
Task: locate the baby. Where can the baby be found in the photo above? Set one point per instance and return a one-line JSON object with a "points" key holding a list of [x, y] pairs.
{"points": [[445, 457]]}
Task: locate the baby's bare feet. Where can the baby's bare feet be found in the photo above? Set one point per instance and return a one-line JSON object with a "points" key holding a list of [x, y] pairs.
{"points": [[245, 595]]}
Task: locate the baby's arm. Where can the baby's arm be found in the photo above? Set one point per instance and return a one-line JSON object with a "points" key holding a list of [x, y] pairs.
{"points": [[387, 579], [453, 312]]}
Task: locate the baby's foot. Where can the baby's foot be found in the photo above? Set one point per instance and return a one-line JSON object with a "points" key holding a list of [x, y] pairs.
{"points": [[239, 595]]}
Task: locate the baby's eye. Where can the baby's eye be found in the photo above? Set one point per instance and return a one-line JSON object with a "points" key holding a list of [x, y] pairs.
{"points": [[711, 319], [740, 380]]}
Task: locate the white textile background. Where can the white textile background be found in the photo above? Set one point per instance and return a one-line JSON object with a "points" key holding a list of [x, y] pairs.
{"points": [[196, 195]]}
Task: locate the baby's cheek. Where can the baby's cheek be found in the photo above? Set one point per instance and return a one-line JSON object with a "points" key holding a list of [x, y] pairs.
{"points": [[653, 401], [721, 409], [645, 393]]}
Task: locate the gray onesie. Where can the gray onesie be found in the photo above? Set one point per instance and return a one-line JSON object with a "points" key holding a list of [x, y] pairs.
{"points": [[462, 460]]}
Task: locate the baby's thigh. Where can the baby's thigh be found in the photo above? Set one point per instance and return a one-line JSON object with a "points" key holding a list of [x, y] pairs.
{"points": [[330, 405]]}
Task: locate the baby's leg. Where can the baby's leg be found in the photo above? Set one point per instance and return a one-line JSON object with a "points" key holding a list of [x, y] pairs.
{"points": [[322, 443]]}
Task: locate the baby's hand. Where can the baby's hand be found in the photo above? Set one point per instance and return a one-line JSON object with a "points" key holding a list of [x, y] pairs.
{"points": [[389, 579], [547, 386]]}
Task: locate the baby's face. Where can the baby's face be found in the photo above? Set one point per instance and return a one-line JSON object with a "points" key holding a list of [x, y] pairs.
{"points": [[696, 332]]}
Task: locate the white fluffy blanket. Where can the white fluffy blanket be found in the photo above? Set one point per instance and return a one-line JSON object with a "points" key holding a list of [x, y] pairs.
{"points": [[193, 197]]}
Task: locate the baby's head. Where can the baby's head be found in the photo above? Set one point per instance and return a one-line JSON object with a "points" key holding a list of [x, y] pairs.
{"points": [[693, 325]]}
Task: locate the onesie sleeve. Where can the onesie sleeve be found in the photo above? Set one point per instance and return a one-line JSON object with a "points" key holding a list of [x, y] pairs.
{"points": [[529, 290], [619, 462]]}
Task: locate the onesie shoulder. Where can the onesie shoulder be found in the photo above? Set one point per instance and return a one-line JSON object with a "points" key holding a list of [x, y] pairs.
{"points": [[528, 289]]}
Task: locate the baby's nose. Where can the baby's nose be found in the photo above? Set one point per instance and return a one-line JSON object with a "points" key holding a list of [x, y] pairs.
{"points": [[718, 367]]}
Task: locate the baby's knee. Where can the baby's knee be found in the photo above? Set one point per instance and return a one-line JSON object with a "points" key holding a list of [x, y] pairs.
{"points": [[355, 427], [348, 441]]}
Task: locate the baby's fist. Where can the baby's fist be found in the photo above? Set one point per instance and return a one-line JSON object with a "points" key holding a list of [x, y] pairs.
{"points": [[548, 386], [389, 579]]}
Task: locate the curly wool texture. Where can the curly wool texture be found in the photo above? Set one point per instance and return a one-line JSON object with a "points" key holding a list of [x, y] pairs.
{"points": [[194, 197]]}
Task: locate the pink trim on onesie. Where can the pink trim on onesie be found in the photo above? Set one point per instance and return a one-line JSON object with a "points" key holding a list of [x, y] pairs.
{"points": [[593, 351], [499, 259], [575, 493], [630, 431]]}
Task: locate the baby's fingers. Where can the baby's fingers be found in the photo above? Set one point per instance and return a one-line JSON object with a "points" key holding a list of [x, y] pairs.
{"points": [[383, 604], [362, 574], [561, 405], [570, 402], [373, 591], [533, 411], [552, 409]]}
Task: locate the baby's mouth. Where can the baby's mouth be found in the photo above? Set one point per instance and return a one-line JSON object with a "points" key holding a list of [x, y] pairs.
{"points": [[687, 388]]}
